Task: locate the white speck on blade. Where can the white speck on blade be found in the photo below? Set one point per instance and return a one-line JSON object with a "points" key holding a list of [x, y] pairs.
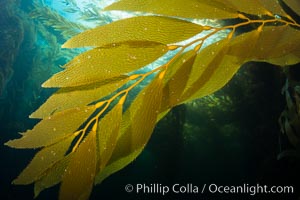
{"points": [[53, 153], [133, 57]]}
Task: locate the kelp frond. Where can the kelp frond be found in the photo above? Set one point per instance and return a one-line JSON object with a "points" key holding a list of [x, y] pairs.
{"points": [[86, 133], [52, 19]]}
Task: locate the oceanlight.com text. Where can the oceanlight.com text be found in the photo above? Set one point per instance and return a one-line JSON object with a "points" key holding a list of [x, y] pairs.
{"points": [[189, 188]]}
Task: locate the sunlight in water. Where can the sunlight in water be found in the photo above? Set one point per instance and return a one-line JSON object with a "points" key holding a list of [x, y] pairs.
{"points": [[77, 10]]}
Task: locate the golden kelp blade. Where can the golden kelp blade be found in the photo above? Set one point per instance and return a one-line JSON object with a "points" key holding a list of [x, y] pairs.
{"points": [[178, 64], [216, 64], [199, 9], [204, 70], [176, 79], [273, 6], [137, 125], [67, 98], [53, 175], [78, 179], [254, 7], [94, 66], [279, 49], [107, 135], [157, 29], [43, 161], [294, 5], [275, 46], [117, 165], [110, 139], [53, 129], [210, 73]]}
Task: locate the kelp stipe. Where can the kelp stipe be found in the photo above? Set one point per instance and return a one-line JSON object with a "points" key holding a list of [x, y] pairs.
{"points": [[85, 132]]}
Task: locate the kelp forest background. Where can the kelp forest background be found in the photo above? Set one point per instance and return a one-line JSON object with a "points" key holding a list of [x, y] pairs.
{"points": [[231, 137]]}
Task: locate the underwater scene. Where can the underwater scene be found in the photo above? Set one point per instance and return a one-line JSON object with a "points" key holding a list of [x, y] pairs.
{"points": [[145, 99]]}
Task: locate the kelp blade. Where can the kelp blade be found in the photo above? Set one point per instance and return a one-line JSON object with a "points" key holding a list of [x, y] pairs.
{"points": [[186, 9], [136, 128], [157, 29], [100, 64], [107, 134], [53, 128], [177, 75], [53, 175], [78, 179], [43, 161], [67, 98]]}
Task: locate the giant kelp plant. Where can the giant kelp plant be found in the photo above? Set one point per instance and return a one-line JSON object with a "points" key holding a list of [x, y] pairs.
{"points": [[11, 39], [90, 129]]}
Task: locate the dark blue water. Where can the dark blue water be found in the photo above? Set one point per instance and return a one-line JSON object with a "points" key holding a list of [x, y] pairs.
{"points": [[199, 143]]}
